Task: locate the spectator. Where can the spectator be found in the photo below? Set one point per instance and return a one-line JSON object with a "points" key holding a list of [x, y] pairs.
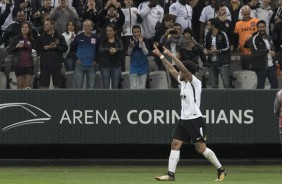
{"points": [[132, 18], [263, 62], [161, 28], [182, 12], [253, 7], [264, 12], [14, 29], [190, 50], [170, 40], [138, 60], [69, 37], [90, 12], [20, 48], [218, 51], [85, 47], [151, 12], [5, 13], [50, 47], [29, 7], [225, 25], [244, 28], [111, 14], [62, 14], [197, 6], [41, 14], [80, 6], [111, 54], [208, 13], [56, 3]]}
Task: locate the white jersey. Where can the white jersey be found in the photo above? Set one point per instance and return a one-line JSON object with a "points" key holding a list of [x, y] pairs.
{"points": [[150, 18], [209, 12], [183, 14], [265, 13], [130, 20], [190, 98]]}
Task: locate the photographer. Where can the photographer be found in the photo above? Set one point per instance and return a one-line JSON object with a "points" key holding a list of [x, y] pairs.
{"points": [[170, 40]]}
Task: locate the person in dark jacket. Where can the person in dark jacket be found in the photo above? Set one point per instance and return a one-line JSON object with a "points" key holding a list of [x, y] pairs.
{"points": [[21, 50], [14, 29], [50, 47], [218, 51], [264, 60], [111, 54], [111, 14]]}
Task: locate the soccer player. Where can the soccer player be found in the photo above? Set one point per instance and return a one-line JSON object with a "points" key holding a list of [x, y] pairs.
{"points": [[191, 125]]}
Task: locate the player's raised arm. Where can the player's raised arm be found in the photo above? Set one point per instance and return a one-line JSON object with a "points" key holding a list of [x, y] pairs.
{"points": [[166, 63], [179, 65]]}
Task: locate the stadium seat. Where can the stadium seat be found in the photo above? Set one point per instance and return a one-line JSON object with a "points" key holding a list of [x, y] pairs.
{"points": [[98, 81], [125, 80], [245, 79], [12, 80], [70, 80], [3, 80], [158, 80]]}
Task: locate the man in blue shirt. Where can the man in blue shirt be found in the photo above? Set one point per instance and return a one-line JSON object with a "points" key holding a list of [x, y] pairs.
{"points": [[85, 47]]}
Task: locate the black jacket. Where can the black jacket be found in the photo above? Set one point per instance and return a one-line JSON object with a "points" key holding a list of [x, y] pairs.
{"points": [[51, 58], [107, 59], [260, 51], [222, 44], [104, 21], [15, 52]]}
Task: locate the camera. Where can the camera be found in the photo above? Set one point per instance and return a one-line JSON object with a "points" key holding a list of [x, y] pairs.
{"points": [[172, 32]]}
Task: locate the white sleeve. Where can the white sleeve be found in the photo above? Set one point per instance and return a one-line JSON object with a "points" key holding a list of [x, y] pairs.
{"points": [[173, 9], [240, 15], [203, 17]]}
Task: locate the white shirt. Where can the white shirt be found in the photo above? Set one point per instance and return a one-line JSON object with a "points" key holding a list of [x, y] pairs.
{"points": [[68, 41], [150, 18], [9, 19], [190, 98], [209, 12], [183, 14], [269, 57], [130, 20], [265, 14]]}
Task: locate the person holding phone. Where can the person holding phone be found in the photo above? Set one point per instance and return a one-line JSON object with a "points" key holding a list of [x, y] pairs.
{"points": [[21, 50]]}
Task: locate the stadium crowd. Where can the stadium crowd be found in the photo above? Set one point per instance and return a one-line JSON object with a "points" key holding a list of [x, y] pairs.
{"points": [[43, 38]]}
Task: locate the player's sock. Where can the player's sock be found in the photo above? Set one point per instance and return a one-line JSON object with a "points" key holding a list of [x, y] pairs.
{"points": [[209, 154], [173, 160]]}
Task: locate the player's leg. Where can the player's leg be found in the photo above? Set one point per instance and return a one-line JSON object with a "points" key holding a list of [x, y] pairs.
{"points": [[179, 135], [197, 131]]}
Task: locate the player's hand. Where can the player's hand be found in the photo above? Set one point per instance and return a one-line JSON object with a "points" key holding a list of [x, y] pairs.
{"points": [[156, 51], [167, 52]]}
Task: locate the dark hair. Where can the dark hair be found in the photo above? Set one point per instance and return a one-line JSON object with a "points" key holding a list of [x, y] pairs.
{"points": [[74, 24], [114, 27], [217, 7], [29, 34], [168, 17], [50, 20], [136, 27], [191, 67], [261, 22], [214, 22], [176, 24], [188, 30]]}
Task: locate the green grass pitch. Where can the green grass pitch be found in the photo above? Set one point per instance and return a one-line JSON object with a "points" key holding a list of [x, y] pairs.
{"points": [[194, 174]]}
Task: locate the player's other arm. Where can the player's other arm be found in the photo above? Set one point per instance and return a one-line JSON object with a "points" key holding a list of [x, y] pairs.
{"points": [[179, 64], [166, 63]]}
